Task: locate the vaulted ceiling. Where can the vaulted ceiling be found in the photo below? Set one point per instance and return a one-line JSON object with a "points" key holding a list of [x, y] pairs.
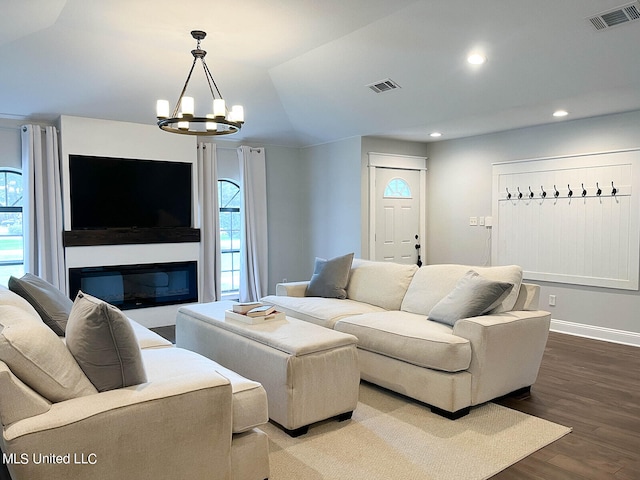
{"points": [[300, 67]]}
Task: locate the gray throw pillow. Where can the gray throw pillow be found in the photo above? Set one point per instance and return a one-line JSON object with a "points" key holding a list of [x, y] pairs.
{"points": [[330, 277], [52, 305], [102, 340], [472, 296]]}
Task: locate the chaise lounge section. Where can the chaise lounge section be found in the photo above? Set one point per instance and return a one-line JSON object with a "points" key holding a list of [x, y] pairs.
{"points": [[191, 419], [450, 367]]}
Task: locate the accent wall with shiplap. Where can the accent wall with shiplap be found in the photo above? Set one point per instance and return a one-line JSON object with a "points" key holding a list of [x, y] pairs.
{"points": [[571, 219]]}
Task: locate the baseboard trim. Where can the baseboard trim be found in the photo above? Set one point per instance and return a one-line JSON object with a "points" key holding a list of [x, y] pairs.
{"points": [[596, 333]]}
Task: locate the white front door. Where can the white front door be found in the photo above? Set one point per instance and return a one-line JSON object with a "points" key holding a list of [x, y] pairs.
{"points": [[397, 215]]}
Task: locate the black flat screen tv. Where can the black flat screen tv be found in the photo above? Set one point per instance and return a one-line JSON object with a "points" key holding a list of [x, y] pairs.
{"points": [[111, 193]]}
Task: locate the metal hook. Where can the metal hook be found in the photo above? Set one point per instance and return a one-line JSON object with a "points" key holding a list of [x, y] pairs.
{"points": [[508, 194], [530, 192], [570, 191], [584, 192], [519, 193], [599, 191], [614, 191], [556, 193], [543, 194]]}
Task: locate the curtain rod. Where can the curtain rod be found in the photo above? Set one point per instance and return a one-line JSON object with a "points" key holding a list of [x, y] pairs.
{"points": [[253, 149]]}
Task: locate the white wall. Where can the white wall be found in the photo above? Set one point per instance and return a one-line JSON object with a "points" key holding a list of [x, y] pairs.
{"points": [[10, 144], [460, 186], [332, 181]]}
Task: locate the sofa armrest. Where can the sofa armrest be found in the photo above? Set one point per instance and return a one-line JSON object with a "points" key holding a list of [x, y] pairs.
{"points": [[292, 289], [131, 433], [506, 351]]}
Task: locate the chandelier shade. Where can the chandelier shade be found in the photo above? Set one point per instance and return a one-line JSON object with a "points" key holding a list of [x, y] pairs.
{"points": [[183, 120]]}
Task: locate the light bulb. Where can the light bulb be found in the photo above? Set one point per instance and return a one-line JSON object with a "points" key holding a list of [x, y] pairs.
{"points": [[162, 108]]}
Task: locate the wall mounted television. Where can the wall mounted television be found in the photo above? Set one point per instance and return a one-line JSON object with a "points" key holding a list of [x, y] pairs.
{"points": [[110, 193]]}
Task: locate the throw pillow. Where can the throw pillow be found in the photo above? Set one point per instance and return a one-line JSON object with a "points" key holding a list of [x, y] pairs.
{"points": [[473, 295], [38, 357], [330, 277], [50, 303], [104, 344]]}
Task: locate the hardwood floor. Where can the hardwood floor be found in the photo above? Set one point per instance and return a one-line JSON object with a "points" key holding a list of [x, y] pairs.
{"points": [[591, 386]]}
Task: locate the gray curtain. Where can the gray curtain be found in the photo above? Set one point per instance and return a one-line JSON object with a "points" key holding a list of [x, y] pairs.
{"points": [[42, 209]]}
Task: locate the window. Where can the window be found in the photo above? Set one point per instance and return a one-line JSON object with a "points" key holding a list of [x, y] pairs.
{"points": [[11, 244], [397, 188], [229, 201]]}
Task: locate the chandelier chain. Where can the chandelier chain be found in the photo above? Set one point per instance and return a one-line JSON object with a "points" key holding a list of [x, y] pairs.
{"points": [[210, 79], [184, 88]]}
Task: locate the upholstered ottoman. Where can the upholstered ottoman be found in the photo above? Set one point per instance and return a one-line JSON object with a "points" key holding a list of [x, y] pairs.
{"points": [[310, 373]]}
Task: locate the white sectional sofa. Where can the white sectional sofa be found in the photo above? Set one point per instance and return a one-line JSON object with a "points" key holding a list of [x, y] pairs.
{"points": [[191, 419], [450, 368]]}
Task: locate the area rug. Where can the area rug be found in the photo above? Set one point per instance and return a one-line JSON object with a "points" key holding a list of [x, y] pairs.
{"points": [[391, 437]]}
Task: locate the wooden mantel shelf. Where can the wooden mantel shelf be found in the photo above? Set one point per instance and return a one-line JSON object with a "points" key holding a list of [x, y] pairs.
{"points": [[129, 236]]}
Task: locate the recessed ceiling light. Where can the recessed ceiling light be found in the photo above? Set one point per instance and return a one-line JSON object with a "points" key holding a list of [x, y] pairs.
{"points": [[560, 113], [476, 59], [435, 134]]}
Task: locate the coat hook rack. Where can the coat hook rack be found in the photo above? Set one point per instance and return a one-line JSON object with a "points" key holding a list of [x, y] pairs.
{"points": [[614, 191], [543, 194], [599, 191], [570, 191], [519, 193], [556, 192], [508, 194], [584, 191], [530, 192]]}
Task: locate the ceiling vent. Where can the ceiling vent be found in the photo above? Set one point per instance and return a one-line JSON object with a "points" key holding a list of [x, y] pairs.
{"points": [[382, 86], [618, 16]]}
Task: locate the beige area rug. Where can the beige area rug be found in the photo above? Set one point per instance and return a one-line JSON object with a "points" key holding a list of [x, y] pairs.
{"points": [[390, 437]]}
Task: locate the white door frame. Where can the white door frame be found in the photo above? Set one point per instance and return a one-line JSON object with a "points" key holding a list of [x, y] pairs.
{"points": [[396, 162]]}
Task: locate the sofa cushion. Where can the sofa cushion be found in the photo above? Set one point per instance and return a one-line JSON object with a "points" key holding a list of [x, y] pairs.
{"points": [[382, 284], [104, 344], [148, 339], [249, 397], [472, 296], [50, 303], [17, 400], [432, 283], [410, 338], [321, 311], [39, 358], [330, 277]]}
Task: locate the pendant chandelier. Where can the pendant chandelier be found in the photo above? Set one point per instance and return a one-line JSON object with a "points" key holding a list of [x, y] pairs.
{"points": [[183, 120]]}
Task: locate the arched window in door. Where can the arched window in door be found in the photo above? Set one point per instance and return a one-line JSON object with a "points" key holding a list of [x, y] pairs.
{"points": [[397, 188], [229, 202], [11, 234]]}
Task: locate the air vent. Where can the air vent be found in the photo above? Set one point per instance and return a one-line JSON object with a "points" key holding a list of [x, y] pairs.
{"points": [[383, 85], [618, 16]]}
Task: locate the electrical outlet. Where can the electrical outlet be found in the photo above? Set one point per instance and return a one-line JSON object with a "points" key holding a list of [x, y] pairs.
{"points": [[284, 280], [552, 300], [473, 221]]}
